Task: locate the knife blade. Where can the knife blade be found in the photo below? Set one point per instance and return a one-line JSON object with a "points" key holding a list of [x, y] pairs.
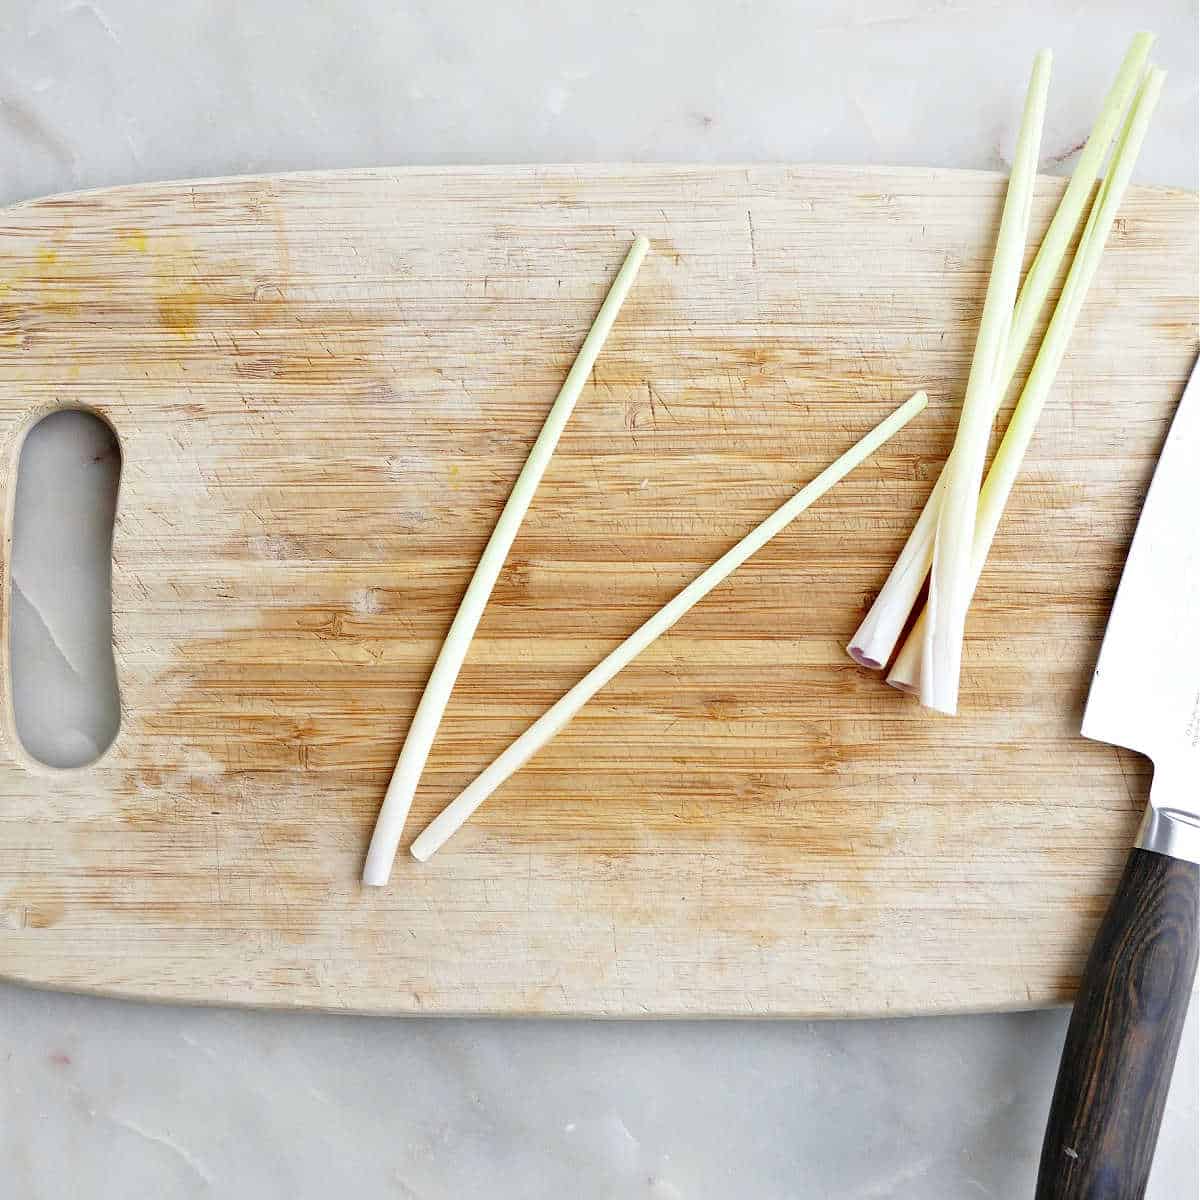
{"points": [[1128, 1017], [1145, 693]]}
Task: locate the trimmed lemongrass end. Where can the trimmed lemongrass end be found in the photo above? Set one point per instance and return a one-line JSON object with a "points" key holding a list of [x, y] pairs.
{"points": [[949, 588], [551, 722], [906, 670], [875, 641], [997, 487], [389, 825]]}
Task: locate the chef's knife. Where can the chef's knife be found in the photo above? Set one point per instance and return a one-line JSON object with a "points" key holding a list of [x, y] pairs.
{"points": [[1128, 1016]]}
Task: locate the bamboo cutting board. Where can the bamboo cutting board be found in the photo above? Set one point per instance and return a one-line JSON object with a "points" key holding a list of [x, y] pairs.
{"points": [[324, 385]]}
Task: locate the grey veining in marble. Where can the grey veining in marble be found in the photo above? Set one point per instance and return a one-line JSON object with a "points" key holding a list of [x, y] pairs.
{"points": [[101, 1098]]}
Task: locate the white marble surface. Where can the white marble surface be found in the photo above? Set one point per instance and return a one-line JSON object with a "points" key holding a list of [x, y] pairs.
{"points": [[107, 1099]]}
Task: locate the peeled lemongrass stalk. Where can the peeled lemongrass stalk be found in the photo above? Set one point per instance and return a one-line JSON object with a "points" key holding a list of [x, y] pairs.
{"points": [[950, 583], [552, 722], [875, 640], [907, 670], [390, 824]]}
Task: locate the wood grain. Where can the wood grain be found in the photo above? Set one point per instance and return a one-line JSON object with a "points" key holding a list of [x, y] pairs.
{"points": [[324, 385], [1124, 1035]]}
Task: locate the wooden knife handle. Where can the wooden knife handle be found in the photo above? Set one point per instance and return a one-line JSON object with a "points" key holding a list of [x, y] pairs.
{"points": [[1124, 1035]]}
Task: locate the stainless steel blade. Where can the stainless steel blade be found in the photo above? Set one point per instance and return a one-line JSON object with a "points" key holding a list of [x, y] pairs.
{"points": [[1146, 690]]}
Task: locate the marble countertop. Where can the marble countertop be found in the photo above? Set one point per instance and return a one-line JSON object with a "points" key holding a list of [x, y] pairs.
{"points": [[103, 1098]]}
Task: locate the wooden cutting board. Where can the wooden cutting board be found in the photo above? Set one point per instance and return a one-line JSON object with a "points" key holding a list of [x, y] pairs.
{"points": [[324, 385]]}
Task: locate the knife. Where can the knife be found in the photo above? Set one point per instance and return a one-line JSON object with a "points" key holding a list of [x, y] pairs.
{"points": [[1128, 1017]]}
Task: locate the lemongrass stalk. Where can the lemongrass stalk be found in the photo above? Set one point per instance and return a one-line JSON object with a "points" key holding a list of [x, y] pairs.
{"points": [[875, 640], [950, 584], [550, 723], [390, 824], [907, 670]]}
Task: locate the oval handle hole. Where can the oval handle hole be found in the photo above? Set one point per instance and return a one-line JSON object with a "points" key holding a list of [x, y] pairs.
{"points": [[63, 678]]}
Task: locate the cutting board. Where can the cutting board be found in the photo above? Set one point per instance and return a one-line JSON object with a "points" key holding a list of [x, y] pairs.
{"points": [[324, 385]]}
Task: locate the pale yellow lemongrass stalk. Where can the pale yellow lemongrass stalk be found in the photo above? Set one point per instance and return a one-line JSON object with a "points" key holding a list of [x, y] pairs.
{"points": [[390, 823], [552, 722], [875, 640], [950, 575], [906, 673]]}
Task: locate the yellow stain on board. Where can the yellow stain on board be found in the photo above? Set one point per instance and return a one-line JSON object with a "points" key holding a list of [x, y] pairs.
{"points": [[177, 294], [53, 278], [8, 340], [179, 308], [134, 239]]}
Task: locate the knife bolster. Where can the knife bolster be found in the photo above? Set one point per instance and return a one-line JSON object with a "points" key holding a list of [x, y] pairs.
{"points": [[1169, 830]]}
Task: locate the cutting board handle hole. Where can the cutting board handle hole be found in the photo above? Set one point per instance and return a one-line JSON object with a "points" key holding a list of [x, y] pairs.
{"points": [[62, 676]]}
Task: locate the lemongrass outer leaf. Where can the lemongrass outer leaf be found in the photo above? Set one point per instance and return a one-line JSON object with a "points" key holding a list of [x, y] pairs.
{"points": [[950, 584], [389, 825], [993, 496], [551, 722], [875, 640]]}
